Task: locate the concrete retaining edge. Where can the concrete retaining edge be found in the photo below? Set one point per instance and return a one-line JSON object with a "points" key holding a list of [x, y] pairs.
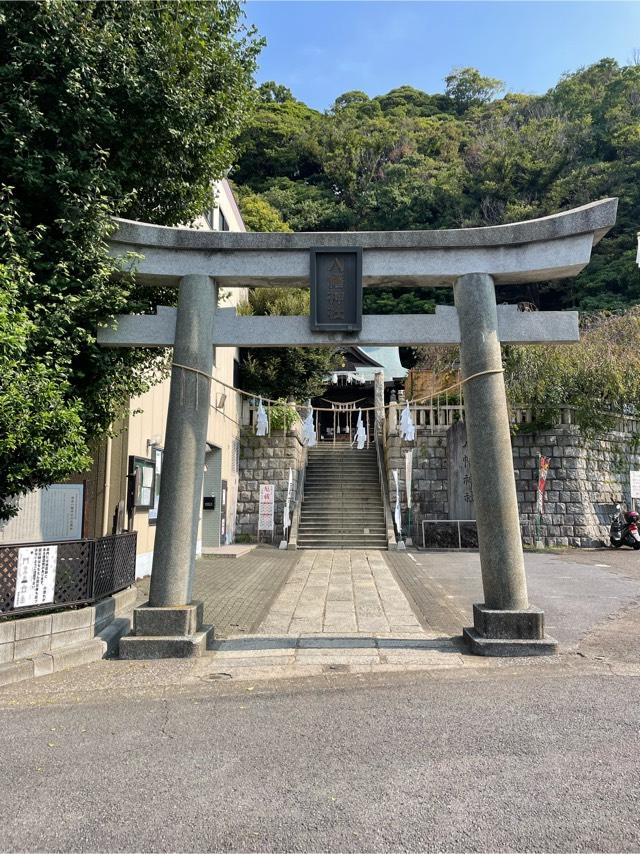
{"points": [[104, 643]]}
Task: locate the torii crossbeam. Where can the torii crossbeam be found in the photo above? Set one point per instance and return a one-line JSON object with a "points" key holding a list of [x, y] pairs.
{"points": [[473, 261]]}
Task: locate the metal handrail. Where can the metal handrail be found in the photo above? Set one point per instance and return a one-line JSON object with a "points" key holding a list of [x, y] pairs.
{"points": [[384, 487], [297, 507], [456, 522]]}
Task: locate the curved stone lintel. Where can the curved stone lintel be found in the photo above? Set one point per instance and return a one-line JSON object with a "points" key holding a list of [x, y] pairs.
{"points": [[552, 247]]}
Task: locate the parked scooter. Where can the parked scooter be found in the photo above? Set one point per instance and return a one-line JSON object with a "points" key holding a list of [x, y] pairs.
{"points": [[624, 529]]}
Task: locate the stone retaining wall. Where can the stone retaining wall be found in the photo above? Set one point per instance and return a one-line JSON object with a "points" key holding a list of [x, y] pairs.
{"points": [[42, 644], [587, 476], [430, 473], [266, 459]]}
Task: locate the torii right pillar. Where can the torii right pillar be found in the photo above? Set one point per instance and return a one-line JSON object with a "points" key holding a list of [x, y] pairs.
{"points": [[505, 623]]}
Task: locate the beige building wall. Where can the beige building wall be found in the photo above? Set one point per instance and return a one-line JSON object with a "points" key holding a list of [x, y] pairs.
{"points": [[142, 431]]}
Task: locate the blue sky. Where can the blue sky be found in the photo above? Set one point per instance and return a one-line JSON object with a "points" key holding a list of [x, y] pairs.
{"points": [[322, 48]]}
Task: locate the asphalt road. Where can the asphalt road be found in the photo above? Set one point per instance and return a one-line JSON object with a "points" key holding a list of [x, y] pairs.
{"points": [[528, 759], [529, 755]]}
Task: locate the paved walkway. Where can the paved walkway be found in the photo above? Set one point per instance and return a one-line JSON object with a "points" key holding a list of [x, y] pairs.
{"points": [[307, 613], [340, 591], [238, 593], [337, 611]]}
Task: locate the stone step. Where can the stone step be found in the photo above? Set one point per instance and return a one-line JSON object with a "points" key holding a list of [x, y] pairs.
{"points": [[340, 513], [328, 533], [321, 469], [349, 489], [335, 524], [341, 482], [342, 500], [335, 507], [350, 544], [341, 448], [358, 539], [328, 474]]}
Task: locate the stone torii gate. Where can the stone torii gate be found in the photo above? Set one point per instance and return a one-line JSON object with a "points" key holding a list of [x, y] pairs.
{"points": [[473, 261]]}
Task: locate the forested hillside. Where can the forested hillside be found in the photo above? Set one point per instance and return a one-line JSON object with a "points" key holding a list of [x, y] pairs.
{"points": [[466, 157]]}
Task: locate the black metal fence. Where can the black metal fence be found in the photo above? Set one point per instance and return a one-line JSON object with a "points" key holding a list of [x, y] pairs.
{"points": [[86, 571]]}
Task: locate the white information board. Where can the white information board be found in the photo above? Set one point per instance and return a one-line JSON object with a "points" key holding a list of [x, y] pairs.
{"points": [[36, 576], [46, 514], [635, 483], [265, 509]]}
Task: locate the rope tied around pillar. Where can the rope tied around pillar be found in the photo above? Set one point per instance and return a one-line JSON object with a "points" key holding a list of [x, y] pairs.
{"points": [[479, 374], [198, 374]]}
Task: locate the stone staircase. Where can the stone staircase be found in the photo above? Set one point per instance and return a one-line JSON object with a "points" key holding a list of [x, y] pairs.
{"points": [[342, 505]]}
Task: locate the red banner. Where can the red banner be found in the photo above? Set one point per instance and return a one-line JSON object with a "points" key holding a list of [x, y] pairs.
{"points": [[542, 480]]}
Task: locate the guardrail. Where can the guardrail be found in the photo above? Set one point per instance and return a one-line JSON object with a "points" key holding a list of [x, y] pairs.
{"points": [[86, 571], [297, 509], [451, 534]]}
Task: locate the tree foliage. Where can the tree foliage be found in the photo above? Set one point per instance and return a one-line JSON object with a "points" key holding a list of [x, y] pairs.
{"points": [[300, 372], [463, 157], [106, 108], [597, 376], [466, 87]]}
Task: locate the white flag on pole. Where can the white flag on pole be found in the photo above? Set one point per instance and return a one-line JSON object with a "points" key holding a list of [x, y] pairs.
{"points": [[286, 517], [262, 422], [361, 433], [408, 472], [309, 429], [407, 427], [397, 516]]}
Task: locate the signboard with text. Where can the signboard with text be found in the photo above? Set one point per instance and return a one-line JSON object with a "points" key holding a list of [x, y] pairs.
{"points": [[54, 513], [336, 289], [36, 576], [635, 483], [265, 509]]}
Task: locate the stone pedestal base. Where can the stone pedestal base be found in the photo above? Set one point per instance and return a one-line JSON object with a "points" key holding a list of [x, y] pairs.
{"points": [[172, 632], [509, 632]]}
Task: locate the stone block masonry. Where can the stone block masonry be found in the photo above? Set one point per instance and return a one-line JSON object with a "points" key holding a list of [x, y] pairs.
{"points": [[587, 475], [266, 459]]}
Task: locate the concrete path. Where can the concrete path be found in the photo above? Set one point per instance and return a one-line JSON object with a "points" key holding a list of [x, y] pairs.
{"points": [[340, 591], [338, 611], [238, 593], [370, 611]]}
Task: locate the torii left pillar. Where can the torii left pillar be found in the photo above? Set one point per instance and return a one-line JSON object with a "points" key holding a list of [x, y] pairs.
{"points": [[169, 625]]}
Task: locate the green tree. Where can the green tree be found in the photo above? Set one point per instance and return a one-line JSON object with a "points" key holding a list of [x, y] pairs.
{"points": [[258, 214], [466, 157], [300, 372], [107, 108], [595, 376], [42, 437], [466, 87]]}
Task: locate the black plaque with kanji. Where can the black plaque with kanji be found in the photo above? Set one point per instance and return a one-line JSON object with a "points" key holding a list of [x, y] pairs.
{"points": [[336, 289]]}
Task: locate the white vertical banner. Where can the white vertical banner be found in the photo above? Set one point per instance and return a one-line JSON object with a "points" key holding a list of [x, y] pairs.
{"points": [[36, 576], [262, 422], [407, 427], [309, 429], [286, 517], [361, 433], [408, 473], [397, 516]]}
